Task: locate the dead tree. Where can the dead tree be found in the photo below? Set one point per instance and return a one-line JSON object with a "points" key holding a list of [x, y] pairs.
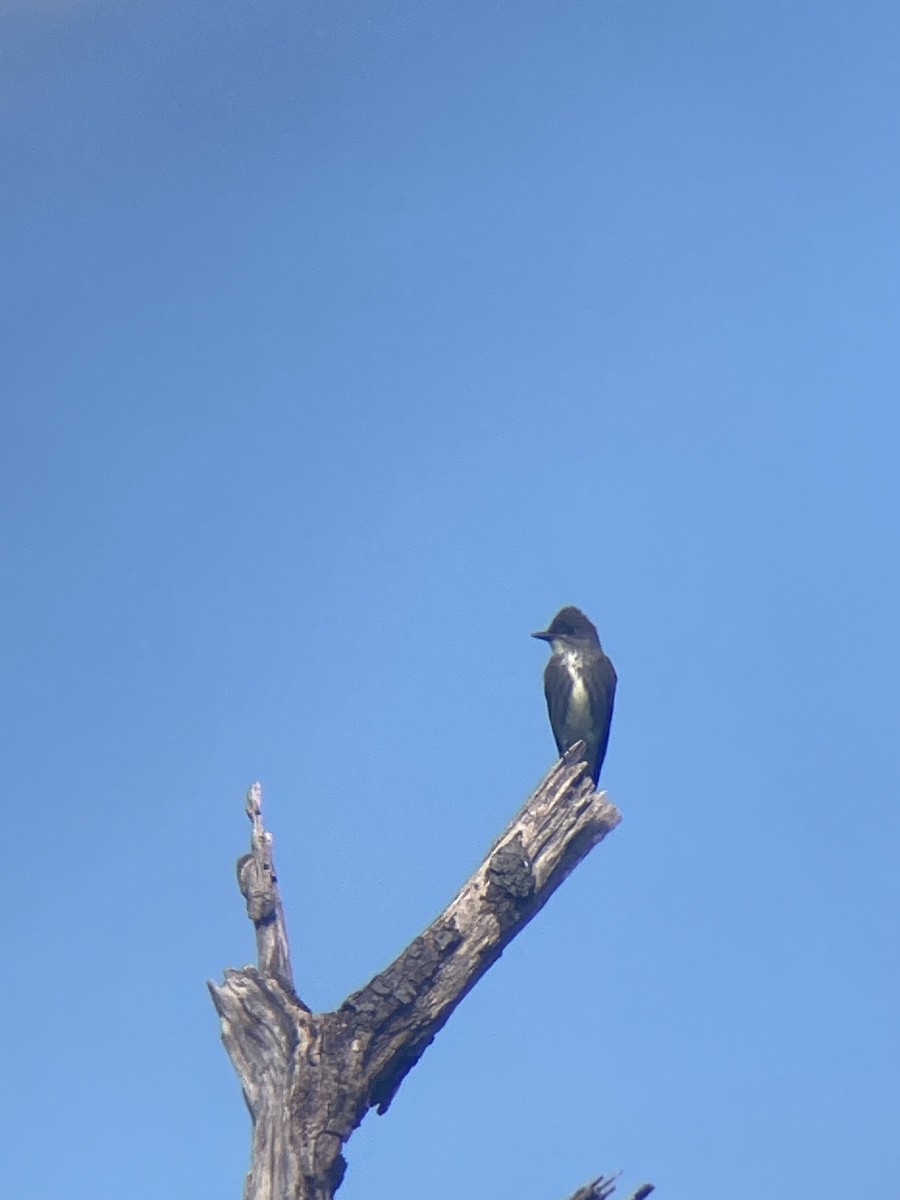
{"points": [[310, 1078]]}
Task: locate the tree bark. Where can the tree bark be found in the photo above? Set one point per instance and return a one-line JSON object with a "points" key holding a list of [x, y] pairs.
{"points": [[603, 1187], [309, 1078]]}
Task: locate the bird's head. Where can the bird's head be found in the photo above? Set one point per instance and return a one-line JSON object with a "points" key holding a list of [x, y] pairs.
{"points": [[569, 628]]}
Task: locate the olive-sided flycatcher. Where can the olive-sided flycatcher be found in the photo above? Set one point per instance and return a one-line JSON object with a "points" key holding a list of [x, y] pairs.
{"points": [[580, 686]]}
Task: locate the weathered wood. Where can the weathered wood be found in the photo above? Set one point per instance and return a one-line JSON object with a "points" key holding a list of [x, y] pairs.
{"points": [[600, 1188], [603, 1187], [309, 1078], [259, 887]]}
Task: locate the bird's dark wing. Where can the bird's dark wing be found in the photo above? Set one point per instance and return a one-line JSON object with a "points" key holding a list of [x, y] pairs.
{"points": [[602, 692], [558, 690]]}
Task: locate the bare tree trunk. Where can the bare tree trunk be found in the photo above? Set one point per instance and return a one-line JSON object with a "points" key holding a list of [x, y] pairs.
{"points": [[309, 1078]]}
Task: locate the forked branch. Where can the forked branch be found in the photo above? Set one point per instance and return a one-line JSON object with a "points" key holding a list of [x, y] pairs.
{"points": [[309, 1078], [603, 1187]]}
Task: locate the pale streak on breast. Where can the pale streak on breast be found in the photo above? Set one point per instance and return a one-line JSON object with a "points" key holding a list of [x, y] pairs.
{"points": [[578, 717]]}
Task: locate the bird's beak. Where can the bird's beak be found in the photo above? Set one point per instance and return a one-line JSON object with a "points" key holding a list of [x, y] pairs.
{"points": [[543, 634]]}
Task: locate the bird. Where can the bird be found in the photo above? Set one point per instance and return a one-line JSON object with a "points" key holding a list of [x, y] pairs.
{"points": [[580, 686]]}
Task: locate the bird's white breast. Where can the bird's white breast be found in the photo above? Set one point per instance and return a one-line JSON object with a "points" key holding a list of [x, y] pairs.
{"points": [[579, 715]]}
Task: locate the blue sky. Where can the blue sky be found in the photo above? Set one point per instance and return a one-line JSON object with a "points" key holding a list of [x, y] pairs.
{"points": [[345, 343]]}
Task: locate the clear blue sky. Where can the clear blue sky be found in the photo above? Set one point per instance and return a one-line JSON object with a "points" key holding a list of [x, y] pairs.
{"points": [[343, 344]]}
